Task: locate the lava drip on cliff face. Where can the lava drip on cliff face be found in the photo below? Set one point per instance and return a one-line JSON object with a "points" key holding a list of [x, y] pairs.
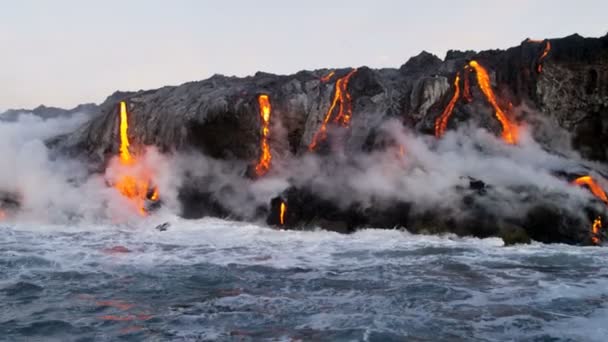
{"points": [[593, 186], [596, 228], [546, 49], [441, 123], [467, 84], [133, 181], [509, 130], [283, 211], [343, 101], [263, 164]]}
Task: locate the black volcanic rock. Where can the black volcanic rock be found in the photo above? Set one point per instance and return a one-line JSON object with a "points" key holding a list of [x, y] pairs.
{"points": [[219, 117]]}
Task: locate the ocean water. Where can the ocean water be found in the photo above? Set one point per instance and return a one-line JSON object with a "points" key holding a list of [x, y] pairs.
{"points": [[220, 280]]}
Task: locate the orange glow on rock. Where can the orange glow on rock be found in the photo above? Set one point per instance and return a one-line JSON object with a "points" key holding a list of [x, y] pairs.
{"points": [[441, 123], [282, 213], [266, 157], [345, 109], [2, 215], [509, 130], [593, 186]]}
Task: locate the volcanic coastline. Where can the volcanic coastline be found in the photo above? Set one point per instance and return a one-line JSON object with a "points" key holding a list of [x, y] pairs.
{"points": [[500, 143]]}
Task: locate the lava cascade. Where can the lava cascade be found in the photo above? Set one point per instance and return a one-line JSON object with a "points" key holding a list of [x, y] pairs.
{"points": [[344, 110], [135, 181], [483, 80], [263, 164]]}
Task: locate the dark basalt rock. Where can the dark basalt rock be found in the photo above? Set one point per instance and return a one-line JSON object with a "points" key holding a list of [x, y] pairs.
{"points": [[219, 117]]}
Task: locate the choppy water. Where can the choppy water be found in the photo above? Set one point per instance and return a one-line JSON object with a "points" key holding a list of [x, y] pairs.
{"points": [[220, 280]]}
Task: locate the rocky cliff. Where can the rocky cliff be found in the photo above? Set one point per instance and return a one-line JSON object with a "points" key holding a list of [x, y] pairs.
{"points": [[555, 87]]}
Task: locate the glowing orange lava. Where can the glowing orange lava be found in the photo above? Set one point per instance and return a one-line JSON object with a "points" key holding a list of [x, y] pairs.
{"points": [[265, 158], [483, 79], [345, 110], [328, 77], [546, 50], [467, 84], [441, 123], [595, 188], [282, 213], [595, 230], [134, 183], [125, 155]]}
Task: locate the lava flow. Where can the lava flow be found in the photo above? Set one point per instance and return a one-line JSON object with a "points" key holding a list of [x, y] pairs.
{"points": [[595, 230], [345, 109], [441, 123], [483, 80], [328, 77], [266, 157], [595, 188], [546, 50], [135, 182], [282, 213]]}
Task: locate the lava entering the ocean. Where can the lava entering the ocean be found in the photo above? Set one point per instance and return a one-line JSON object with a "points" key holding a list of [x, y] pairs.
{"points": [[593, 186], [467, 84], [266, 157], [134, 182], [483, 80], [595, 230], [441, 123], [282, 213], [345, 110]]}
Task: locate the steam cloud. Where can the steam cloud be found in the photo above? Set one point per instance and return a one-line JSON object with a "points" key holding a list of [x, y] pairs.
{"points": [[429, 172]]}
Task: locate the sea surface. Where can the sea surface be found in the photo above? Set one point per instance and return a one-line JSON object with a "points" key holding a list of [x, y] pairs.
{"points": [[219, 280]]}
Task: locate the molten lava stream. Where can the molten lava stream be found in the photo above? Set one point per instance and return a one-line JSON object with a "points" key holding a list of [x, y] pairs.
{"points": [[345, 109], [595, 188], [441, 123], [483, 80], [282, 213], [134, 183], [125, 155], [266, 157], [544, 54]]}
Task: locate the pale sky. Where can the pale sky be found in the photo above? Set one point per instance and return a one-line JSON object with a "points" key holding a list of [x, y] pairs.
{"points": [[66, 52]]}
